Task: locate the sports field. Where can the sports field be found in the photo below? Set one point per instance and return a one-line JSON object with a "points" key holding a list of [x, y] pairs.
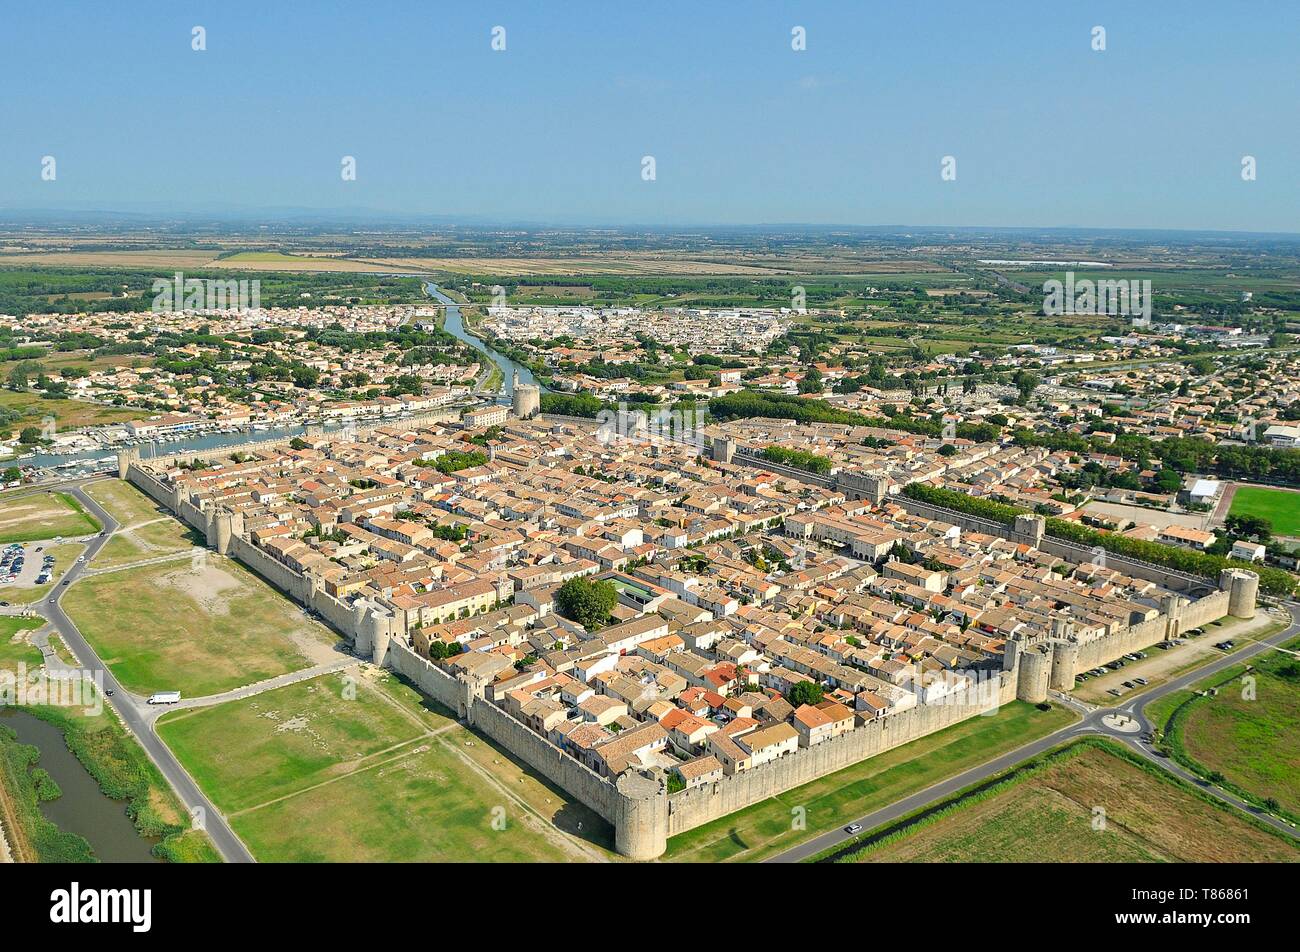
{"points": [[1089, 805], [200, 627], [1280, 507], [353, 766], [765, 828], [32, 516]]}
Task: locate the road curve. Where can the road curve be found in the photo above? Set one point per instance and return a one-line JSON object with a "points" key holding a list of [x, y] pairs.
{"points": [[134, 713], [1091, 724]]}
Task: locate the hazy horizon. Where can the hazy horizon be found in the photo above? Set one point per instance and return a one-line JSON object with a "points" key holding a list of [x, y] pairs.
{"points": [[1044, 130]]}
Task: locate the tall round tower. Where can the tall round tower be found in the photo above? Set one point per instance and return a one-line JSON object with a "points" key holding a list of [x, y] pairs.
{"points": [[1065, 664], [1242, 586], [640, 815], [1035, 674]]}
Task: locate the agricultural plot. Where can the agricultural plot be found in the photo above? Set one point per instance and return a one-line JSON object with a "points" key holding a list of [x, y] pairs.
{"points": [[1089, 804]]}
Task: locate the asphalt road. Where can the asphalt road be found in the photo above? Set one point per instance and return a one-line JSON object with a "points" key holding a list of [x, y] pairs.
{"points": [[1097, 721], [134, 712]]}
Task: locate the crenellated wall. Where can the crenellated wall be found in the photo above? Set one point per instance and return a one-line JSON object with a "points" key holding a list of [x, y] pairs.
{"points": [[452, 693], [584, 784], [644, 815], [692, 807]]}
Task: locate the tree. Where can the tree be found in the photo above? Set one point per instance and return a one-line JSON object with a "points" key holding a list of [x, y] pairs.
{"points": [[811, 382], [1251, 527], [1169, 481], [29, 435], [586, 601], [298, 443], [1026, 383], [947, 450], [21, 375], [12, 474], [805, 692]]}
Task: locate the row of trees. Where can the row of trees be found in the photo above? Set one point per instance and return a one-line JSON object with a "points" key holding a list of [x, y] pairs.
{"points": [[1272, 581], [753, 403]]}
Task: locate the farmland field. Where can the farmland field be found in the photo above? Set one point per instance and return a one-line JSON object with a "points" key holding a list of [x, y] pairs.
{"points": [[1280, 507], [1084, 805], [354, 766], [1248, 730]]}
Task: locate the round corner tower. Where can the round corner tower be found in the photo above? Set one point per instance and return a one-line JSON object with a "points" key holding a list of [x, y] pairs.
{"points": [[640, 815], [1035, 675], [1242, 586]]}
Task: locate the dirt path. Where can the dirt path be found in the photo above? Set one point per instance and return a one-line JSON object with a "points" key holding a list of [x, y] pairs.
{"points": [[18, 852], [543, 825]]}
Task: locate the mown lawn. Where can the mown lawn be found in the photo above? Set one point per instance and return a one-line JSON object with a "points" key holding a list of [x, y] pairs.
{"points": [[356, 767], [1280, 507], [33, 516]]}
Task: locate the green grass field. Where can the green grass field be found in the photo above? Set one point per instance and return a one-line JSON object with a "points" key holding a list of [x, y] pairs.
{"points": [[764, 829], [303, 773], [1280, 507], [34, 516], [199, 630], [13, 646], [145, 531], [1087, 804], [1248, 731]]}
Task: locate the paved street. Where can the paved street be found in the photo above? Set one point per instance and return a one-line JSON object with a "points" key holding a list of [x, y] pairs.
{"points": [[132, 709], [1112, 722]]}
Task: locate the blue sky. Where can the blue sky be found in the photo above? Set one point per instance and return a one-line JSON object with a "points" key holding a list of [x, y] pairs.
{"points": [[1045, 131]]}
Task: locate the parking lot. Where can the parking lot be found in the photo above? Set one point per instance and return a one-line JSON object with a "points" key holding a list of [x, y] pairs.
{"points": [[26, 565], [1159, 663]]}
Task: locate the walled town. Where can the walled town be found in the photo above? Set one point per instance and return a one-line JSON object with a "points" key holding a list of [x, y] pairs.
{"points": [[673, 627]]}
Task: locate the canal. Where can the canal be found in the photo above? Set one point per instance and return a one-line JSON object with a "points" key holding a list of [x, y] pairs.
{"points": [[82, 809], [454, 325]]}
